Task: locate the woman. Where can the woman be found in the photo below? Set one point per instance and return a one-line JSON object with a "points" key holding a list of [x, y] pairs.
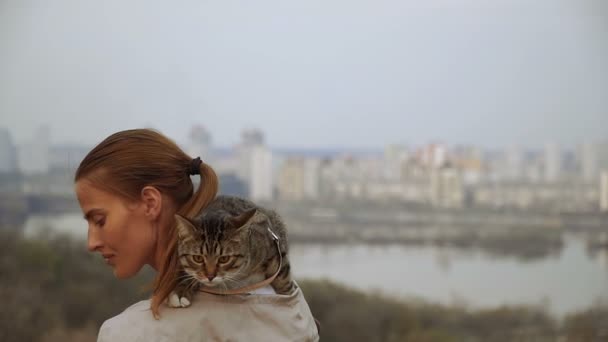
{"points": [[130, 187]]}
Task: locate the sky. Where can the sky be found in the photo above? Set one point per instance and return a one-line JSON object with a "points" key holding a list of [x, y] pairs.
{"points": [[310, 74]]}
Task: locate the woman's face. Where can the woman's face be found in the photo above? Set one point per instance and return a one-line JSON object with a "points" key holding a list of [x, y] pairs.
{"points": [[120, 231]]}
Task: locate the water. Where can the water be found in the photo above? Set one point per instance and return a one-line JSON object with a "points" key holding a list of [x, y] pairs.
{"points": [[573, 280], [70, 224]]}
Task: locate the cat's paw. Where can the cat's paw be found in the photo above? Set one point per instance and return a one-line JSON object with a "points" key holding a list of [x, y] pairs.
{"points": [[184, 302], [175, 301]]}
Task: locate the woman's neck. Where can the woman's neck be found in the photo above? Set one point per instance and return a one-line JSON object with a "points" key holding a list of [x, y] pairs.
{"points": [[163, 239]]}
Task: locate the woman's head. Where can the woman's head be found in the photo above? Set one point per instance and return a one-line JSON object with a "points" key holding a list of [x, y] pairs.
{"points": [[129, 187], [124, 231]]}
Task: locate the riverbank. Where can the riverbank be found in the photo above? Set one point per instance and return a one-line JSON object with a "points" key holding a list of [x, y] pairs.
{"points": [[47, 289]]}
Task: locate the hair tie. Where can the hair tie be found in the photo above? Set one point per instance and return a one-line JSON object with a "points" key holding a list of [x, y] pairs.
{"points": [[195, 166]]}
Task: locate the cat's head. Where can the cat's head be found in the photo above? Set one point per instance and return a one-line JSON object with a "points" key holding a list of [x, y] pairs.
{"points": [[217, 248]]}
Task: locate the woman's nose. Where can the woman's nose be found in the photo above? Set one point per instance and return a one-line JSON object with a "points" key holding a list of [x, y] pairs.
{"points": [[93, 241]]}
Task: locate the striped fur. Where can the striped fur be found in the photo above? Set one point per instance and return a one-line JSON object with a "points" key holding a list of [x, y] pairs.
{"points": [[228, 246]]}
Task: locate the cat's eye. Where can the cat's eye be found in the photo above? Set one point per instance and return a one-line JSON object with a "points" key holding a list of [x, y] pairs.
{"points": [[197, 258], [224, 259]]}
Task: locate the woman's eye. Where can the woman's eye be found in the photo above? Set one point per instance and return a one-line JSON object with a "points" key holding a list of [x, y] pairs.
{"points": [[197, 258], [224, 259], [100, 222]]}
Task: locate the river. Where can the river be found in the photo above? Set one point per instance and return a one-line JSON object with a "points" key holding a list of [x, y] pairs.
{"points": [[571, 280]]}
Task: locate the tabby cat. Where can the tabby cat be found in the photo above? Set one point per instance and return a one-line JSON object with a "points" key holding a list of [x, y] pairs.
{"points": [[232, 244]]}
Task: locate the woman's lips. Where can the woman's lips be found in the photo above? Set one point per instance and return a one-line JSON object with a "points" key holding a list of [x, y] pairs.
{"points": [[108, 258]]}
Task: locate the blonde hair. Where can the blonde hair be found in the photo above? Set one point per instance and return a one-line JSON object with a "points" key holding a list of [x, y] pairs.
{"points": [[127, 161]]}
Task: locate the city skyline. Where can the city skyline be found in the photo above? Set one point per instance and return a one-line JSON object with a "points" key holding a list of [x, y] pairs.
{"points": [[183, 139], [436, 175]]}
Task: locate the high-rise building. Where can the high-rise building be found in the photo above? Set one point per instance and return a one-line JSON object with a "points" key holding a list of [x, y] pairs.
{"points": [[199, 143], [552, 162], [232, 185], [601, 151], [604, 191], [255, 165], [8, 153], [588, 160], [312, 178], [63, 162], [260, 179], [394, 157], [447, 188], [252, 137], [299, 179], [64, 158], [433, 155], [34, 155], [243, 156], [291, 179], [515, 163]]}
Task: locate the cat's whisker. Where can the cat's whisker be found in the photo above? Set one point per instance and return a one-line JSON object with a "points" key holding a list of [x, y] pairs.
{"points": [[229, 278], [236, 274], [184, 277], [225, 287], [192, 284], [235, 280], [235, 283]]}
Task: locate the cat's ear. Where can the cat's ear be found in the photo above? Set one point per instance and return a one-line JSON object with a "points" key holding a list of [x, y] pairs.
{"points": [[240, 220], [184, 226]]}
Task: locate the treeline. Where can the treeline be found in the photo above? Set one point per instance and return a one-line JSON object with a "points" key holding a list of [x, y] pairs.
{"points": [[55, 288], [350, 315], [52, 289]]}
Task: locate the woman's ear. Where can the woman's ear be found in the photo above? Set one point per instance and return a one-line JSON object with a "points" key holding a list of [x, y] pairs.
{"points": [[153, 201]]}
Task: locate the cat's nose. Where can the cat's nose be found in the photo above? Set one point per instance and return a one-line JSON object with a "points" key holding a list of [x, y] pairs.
{"points": [[210, 277]]}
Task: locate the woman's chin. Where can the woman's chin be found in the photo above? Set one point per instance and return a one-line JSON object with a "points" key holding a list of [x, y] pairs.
{"points": [[121, 273]]}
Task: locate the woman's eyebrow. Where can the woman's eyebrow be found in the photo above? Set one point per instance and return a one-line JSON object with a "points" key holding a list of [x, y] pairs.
{"points": [[90, 213]]}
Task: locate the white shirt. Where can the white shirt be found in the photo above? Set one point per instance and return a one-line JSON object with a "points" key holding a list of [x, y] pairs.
{"points": [[250, 317]]}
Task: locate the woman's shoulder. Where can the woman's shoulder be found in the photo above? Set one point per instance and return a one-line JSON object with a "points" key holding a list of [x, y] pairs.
{"points": [[217, 318], [138, 311], [136, 323], [129, 325]]}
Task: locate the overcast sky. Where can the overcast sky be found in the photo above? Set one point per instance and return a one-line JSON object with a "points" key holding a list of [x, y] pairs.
{"points": [[313, 73]]}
